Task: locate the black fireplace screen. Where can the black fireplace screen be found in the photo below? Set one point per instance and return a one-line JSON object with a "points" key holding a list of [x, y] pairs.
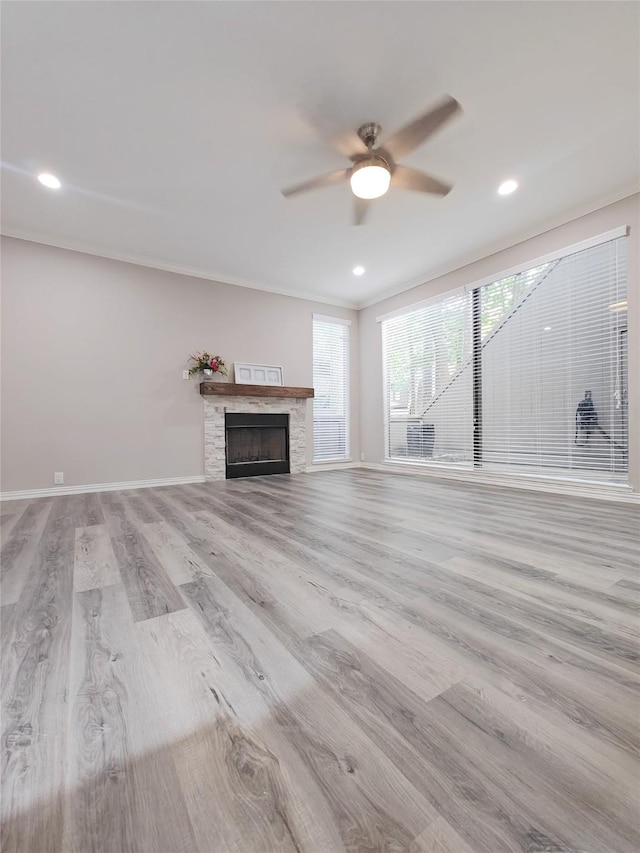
{"points": [[257, 444]]}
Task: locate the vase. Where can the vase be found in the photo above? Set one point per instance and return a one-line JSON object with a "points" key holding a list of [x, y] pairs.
{"points": [[213, 376]]}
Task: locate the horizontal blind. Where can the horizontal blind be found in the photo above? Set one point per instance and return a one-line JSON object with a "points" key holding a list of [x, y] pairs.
{"points": [[526, 374], [427, 382], [331, 389], [554, 367]]}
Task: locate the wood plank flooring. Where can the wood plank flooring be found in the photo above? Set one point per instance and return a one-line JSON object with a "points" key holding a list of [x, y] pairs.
{"points": [[345, 662]]}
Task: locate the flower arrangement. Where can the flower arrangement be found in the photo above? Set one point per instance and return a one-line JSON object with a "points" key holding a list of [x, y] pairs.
{"points": [[207, 364]]}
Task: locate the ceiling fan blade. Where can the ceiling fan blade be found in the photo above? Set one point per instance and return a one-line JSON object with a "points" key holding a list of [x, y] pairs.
{"points": [[317, 183], [361, 210], [350, 145], [419, 130], [411, 179]]}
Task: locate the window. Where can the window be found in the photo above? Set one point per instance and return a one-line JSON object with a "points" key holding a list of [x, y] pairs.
{"points": [[525, 374], [331, 386], [426, 355]]}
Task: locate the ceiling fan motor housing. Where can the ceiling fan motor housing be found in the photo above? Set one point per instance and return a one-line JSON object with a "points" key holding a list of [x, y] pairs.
{"points": [[372, 160]]}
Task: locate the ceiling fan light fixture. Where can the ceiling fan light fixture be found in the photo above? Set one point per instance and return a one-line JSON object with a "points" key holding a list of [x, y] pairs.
{"points": [[370, 178]]}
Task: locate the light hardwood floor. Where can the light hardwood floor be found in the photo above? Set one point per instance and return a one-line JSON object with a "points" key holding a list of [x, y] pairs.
{"points": [[347, 661]]}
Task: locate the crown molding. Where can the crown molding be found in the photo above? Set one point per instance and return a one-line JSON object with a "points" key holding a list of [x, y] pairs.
{"points": [[165, 266], [459, 263], [501, 246]]}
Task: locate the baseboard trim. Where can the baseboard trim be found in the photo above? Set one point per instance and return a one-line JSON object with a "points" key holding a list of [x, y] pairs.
{"points": [[98, 487], [594, 491], [330, 466]]}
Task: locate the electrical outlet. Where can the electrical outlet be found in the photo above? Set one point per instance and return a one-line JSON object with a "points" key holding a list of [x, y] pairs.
{"points": [[58, 478], [362, 457], [185, 374]]}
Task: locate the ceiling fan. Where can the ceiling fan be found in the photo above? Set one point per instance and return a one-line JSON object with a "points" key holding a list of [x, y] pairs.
{"points": [[375, 169]]}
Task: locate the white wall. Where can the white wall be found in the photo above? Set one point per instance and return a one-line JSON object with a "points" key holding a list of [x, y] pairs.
{"points": [[625, 212], [93, 352], [92, 357]]}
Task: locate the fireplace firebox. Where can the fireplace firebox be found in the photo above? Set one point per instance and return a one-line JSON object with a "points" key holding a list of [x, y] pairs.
{"points": [[256, 444]]}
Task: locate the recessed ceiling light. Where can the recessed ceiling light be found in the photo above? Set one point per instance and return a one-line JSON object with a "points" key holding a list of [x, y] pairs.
{"points": [[358, 270], [507, 187], [49, 180]]}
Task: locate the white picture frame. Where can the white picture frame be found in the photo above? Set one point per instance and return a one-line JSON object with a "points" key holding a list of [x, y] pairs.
{"points": [[257, 374]]}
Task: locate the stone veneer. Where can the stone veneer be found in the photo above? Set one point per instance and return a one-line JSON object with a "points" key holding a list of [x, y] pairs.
{"points": [[214, 431]]}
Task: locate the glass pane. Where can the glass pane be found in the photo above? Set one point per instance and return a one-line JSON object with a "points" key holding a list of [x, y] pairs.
{"points": [[427, 363]]}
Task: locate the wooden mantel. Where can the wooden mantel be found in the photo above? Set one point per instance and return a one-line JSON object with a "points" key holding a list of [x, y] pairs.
{"points": [[230, 389]]}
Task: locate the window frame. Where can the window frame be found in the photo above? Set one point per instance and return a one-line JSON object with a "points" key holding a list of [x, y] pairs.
{"points": [[328, 320]]}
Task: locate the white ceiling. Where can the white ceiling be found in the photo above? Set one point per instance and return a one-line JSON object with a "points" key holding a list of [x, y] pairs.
{"points": [[174, 125]]}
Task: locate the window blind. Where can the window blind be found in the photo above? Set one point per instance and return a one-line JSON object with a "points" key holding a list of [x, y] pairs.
{"points": [[554, 367], [526, 374], [331, 389], [427, 382]]}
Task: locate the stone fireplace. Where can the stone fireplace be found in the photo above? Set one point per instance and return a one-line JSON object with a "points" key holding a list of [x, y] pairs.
{"points": [[234, 436]]}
